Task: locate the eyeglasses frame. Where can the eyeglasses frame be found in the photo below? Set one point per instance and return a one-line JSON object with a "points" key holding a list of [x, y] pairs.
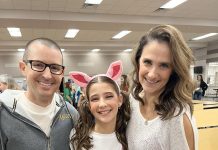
{"points": [[46, 65]]}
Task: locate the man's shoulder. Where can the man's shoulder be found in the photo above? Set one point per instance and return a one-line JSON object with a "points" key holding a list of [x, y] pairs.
{"points": [[8, 96], [71, 109]]}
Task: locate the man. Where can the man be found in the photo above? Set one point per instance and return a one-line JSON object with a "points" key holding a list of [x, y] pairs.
{"points": [[37, 119]]}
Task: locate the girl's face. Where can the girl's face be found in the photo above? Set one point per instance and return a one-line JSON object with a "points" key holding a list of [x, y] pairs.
{"points": [[104, 103], [155, 67]]}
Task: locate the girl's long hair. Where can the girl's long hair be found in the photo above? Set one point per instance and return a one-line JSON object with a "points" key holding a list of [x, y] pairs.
{"points": [[81, 139]]}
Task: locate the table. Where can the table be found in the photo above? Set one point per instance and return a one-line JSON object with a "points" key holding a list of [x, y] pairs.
{"points": [[216, 91]]}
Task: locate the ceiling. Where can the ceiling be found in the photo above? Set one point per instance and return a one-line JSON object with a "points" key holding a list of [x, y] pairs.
{"points": [[97, 24]]}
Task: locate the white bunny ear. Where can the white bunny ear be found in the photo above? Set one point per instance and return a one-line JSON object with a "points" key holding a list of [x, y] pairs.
{"points": [[80, 78], [115, 70]]}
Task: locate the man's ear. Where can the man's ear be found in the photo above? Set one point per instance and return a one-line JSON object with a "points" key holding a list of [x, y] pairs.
{"points": [[22, 67]]}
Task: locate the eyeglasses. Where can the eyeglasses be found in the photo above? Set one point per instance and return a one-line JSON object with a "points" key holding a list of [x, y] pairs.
{"points": [[39, 66]]}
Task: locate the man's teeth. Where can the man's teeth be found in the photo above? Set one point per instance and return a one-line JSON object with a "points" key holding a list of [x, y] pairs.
{"points": [[45, 84]]}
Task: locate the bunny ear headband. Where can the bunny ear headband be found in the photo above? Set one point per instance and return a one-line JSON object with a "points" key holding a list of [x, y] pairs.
{"points": [[114, 72]]}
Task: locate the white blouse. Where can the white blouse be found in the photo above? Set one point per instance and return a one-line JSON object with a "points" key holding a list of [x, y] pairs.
{"points": [[157, 134]]}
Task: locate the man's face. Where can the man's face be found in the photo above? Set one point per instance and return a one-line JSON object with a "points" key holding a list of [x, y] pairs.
{"points": [[41, 85]]}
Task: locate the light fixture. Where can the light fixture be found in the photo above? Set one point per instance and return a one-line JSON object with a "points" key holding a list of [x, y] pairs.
{"points": [[62, 49], [121, 34], [128, 50], [20, 49], [204, 36], [96, 50], [94, 2], [213, 64], [14, 32], [172, 4], [71, 33]]}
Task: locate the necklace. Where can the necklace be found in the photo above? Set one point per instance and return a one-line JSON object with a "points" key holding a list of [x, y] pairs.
{"points": [[149, 115], [146, 122]]}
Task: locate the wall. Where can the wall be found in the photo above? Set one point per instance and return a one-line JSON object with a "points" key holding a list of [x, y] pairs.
{"points": [[91, 64], [212, 56], [200, 60], [9, 64]]}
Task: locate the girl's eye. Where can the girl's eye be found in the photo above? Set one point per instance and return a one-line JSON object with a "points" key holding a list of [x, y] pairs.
{"points": [[109, 96], [94, 99]]}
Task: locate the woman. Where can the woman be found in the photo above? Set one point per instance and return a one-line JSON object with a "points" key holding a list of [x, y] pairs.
{"points": [[161, 116], [124, 86], [198, 91], [203, 85]]}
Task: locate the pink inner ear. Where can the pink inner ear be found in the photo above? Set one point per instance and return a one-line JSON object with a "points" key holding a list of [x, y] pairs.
{"points": [[80, 78], [116, 69]]}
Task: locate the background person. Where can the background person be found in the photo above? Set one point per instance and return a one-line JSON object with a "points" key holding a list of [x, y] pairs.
{"points": [[198, 91], [8, 82], [203, 85], [124, 83], [67, 92]]}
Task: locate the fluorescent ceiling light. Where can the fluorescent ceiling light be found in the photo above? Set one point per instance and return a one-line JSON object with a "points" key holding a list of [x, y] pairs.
{"points": [[96, 50], [20, 49], [121, 34], [204, 36], [127, 50], [14, 32], [95, 2], [71, 33], [172, 4], [62, 49]]}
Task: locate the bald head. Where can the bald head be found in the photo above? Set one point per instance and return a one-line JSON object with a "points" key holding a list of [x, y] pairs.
{"points": [[43, 41]]}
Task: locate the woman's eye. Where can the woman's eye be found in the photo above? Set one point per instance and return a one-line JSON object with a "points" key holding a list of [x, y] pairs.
{"points": [[147, 62], [164, 65]]}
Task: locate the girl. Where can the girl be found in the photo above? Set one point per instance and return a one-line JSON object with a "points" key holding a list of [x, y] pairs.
{"points": [[105, 113]]}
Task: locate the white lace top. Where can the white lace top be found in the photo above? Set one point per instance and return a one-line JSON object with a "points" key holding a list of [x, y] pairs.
{"points": [[157, 134]]}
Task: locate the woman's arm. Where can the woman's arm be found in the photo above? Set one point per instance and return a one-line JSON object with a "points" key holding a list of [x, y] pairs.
{"points": [[189, 132]]}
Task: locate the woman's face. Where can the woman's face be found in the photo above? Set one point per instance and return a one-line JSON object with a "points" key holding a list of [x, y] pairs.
{"points": [[199, 78], [155, 67]]}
